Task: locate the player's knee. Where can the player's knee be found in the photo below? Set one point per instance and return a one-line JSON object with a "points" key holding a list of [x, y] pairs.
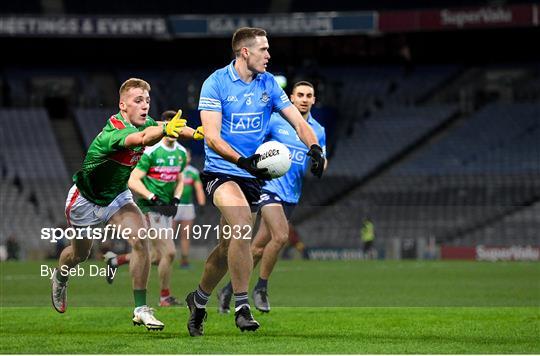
{"points": [[139, 245], [170, 256], [281, 237], [257, 251]]}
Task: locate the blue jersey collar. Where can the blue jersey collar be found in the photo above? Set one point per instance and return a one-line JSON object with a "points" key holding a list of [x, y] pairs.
{"points": [[310, 119], [234, 74]]}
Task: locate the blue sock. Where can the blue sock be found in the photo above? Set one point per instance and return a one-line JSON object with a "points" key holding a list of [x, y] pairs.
{"points": [[240, 299], [262, 284], [228, 287], [201, 298]]}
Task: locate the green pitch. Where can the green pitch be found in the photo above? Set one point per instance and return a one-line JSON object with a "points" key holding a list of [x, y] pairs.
{"points": [[317, 307]]}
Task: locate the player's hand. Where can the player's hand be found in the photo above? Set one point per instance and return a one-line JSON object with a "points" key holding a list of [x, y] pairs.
{"points": [[317, 160], [198, 134], [160, 207], [250, 165], [175, 201], [156, 201], [175, 126]]}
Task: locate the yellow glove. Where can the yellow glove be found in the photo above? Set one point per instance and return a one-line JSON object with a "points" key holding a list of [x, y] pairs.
{"points": [[175, 126], [198, 134]]}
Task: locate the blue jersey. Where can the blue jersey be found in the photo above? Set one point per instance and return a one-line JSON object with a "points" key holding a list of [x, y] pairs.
{"points": [[246, 110], [289, 187]]}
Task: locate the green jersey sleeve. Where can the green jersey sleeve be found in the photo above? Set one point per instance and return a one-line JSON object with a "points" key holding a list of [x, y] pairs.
{"points": [[117, 138]]}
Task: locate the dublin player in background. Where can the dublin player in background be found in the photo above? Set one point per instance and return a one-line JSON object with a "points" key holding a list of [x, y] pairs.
{"points": [[279, 196], [236, 103]]}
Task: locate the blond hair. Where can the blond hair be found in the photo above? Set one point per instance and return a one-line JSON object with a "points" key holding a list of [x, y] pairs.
{"points": [[134, 83]]}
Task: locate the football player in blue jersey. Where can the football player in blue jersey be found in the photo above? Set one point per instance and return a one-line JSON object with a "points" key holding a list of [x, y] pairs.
{"points": [[279, 196], [236, 103]]}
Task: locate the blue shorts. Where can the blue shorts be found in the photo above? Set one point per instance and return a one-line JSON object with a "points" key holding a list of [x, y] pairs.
{"points": [[271, 198], [251, 187]]}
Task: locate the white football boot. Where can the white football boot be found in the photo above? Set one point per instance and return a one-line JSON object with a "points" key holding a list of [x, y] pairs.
{"points": [[58, 293], [144, 315]]}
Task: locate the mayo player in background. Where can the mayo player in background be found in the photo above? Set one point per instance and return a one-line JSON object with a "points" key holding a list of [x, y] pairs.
{"points": [[185, 216], [279, 197], [236, 103]]}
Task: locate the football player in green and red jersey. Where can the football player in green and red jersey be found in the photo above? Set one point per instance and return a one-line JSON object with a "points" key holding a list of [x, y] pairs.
{"points": [[100, 193], [159, 182]]}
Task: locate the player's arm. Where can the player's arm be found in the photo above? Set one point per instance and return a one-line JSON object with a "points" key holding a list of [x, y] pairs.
{"points": [[304, 131], [136, 184], [179, 187], [199, 193], [308, 136], [189, 133], [148, 137], [211, 121], [151, 135]]}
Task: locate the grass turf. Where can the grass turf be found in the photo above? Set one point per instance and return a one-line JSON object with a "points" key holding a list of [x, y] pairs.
{"points": [[318, 307]]}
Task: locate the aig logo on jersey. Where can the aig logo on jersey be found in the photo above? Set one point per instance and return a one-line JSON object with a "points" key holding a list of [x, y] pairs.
{"points": [[246, 122], [298, 155]]}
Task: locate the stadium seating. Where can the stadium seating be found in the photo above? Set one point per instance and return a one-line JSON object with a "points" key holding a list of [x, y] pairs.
{"points": [[481, 174], [32, 159]]}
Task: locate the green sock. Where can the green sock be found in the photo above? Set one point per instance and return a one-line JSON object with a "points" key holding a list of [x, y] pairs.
{"points": [[140, 297]]}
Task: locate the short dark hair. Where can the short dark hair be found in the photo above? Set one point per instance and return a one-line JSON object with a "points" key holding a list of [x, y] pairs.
{"points": [[302, 82], [167, 115], [244, 36]]}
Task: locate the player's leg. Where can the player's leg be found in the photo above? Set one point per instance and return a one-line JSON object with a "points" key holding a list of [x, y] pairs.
{"points": [[234, 206], [114, 261], [77, 252], [215, 268], [184, 220], [230, 200], [130, 217], [80, 213], [262, 237], [165, 251], [186, 225], [274, 221]]}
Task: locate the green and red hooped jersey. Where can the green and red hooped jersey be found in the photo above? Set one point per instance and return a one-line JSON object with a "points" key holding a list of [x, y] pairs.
{"points": [[108, 164], [191, 176], [162, 165]]}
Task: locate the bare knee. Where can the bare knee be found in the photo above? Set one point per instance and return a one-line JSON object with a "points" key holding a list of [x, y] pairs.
{"points": [[170, 255], [257, 251], [139, 246], [281, 237]]}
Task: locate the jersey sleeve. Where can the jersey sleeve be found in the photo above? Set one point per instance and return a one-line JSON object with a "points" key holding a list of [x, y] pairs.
{"points": [[144, 162], [210, 98], [196, 174], [279, 97], [117, 138]]}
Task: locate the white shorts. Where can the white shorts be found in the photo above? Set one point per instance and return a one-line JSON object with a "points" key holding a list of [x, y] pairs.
{"points": [[185, 212], [159, 221], [160, 227], [82, 212]]}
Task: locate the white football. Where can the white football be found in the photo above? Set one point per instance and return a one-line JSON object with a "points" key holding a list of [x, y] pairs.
{"points": [[275, 156]]}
